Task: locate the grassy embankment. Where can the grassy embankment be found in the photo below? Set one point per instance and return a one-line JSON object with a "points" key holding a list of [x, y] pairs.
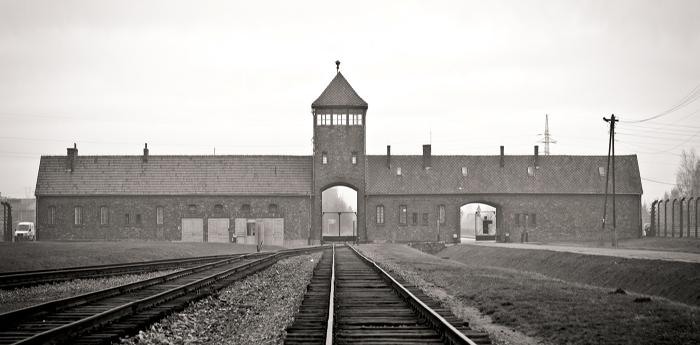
{"points": [[685, 244], [25, 256], [524, 294]]}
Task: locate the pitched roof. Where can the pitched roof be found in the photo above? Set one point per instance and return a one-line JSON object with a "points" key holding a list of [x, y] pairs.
{"points": [[175, 175], [556, 175], [339, 93]]}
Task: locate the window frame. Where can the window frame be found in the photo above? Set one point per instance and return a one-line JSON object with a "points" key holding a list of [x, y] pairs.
{"points": [[353, 158], [414, 218], [380, 215], [425, 219], [442, 214], [127, 218], [160, 217], [533, 220], [78, 215], [324, 158], [531, 171], [403, 215], [52, 215], [272, 208], [245, 208], [602, 171], [104, 215]]}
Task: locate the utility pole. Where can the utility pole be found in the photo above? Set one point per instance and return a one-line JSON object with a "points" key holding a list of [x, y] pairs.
{"points": [[611, 154], [547, 137]]}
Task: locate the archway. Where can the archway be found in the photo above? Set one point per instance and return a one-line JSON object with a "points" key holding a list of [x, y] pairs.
{"points": [[339, 213], [478, 221]]}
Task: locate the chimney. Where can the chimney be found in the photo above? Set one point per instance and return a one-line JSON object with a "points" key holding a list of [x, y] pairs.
{"points": [[145, 153], [537, 156], [426, 157], [388, 156], [72, 152], [502, 158]]}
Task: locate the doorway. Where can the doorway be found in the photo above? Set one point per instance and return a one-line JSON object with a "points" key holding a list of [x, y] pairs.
{"points": [[477, 222], [339, 213]]}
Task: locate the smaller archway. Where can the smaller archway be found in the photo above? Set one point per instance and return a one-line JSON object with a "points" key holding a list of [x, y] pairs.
{"points": [[339, 212], [478, 221]]}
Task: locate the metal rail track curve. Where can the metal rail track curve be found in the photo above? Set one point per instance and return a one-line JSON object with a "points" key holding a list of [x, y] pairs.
{"points": [[106, 315], [369, 306]]}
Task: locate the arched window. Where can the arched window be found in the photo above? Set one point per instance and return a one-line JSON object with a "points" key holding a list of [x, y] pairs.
{"points": [[272, 208], [245, 208], [218, 208]]}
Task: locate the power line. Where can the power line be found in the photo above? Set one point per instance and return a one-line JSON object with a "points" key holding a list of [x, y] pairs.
{"points": [[655, 181], [688, 99]]}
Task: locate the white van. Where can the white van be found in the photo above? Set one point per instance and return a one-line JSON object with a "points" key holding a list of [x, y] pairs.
{"points": [[25, 232]]}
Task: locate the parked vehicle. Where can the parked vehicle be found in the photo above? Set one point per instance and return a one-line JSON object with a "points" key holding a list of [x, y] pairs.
{"points": [[25, 232]]}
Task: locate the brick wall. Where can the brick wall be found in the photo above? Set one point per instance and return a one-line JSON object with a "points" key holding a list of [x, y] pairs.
{"points": [[294, 210], [558, 217], [339, 142]]}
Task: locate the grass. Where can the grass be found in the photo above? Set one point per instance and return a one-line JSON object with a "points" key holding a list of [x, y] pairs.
{"points": [[25, 256], [679, 281], [685, 244], [555, 310]]}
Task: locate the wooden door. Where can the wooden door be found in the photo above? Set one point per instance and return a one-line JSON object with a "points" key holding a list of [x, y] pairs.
{"points": [[192, 230], [217, 230]]}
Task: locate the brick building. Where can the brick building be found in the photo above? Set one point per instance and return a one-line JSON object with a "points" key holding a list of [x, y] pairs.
{"points": [[277, 199]]}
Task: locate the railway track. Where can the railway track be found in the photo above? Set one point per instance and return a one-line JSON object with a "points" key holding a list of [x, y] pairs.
{"points": [[106, 315], [11, 280], [352, 300]]}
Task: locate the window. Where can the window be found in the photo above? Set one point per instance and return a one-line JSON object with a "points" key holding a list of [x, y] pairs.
{"points": [[403, 214], [517, 219], [138, 219], [127, 219], [441, 214], [414, 218], [340, 119], [425, 218], [533, 220], [398, 171], [159, 215], [354, 158], [324, 158], [218, 208], [272, 208], [601, 171], [192, 207], [380, 214], [52, 215], [245, 208], [355, 119], [323, 119], [104, 215], [531, 171], [78, 215], [250, 229], [465, 171]]}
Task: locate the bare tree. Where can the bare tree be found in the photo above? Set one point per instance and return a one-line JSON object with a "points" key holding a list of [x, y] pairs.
{"points": [[688, 174]]}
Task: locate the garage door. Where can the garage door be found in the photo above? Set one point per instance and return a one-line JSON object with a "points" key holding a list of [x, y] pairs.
{"points": [[274, 231], [217, 230], [192, 230]]}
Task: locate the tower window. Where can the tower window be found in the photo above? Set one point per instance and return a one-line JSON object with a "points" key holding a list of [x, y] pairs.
{"points": [[340, 119], [601, 171], [398, 171], [531, 171], [354, 158], [355, 119], [324, 158], [323, 119], [465, 171]]}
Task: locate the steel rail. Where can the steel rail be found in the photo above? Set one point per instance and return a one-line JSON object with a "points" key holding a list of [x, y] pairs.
{"points": [[9, 280], [85, 325], [439, 323], [329, 327], [15, 316]]}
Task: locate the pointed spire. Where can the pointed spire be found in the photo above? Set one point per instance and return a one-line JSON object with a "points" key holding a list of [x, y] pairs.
{"points": [[339, 94]]}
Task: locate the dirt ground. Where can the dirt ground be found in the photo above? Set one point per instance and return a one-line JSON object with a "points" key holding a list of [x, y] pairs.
{"points": [[542, 308], [25, 256]]}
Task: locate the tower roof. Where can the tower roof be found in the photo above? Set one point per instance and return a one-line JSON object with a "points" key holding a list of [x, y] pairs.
{"points": [[339, 93]]}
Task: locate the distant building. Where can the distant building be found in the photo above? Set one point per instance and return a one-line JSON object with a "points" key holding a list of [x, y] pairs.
{"points": [[277, 199], [23, 210]]}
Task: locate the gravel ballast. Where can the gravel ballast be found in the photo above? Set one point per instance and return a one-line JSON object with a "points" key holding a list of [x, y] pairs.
{"points": [[23, 297], [255, 310]]}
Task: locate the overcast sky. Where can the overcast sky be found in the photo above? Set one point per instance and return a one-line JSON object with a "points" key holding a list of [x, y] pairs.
{"points": [[191, 76]]}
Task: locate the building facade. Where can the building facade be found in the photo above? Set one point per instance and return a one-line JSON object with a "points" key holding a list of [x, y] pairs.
{"points": [[277, 200]]}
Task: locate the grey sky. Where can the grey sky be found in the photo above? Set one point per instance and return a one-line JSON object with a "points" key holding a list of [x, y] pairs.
{"points": [[188, 76]]}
